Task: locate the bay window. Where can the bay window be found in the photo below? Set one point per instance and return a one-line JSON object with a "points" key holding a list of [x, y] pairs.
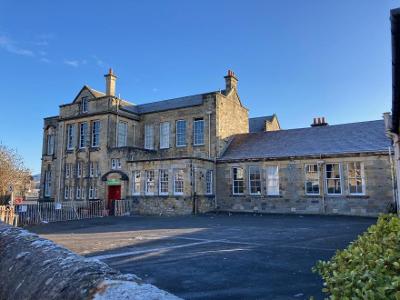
{"points": [[150, 183], [178, 182], [163, 182]]}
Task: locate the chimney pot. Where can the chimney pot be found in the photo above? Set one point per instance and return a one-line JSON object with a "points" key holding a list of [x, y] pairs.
{"points": [[230, 81]]}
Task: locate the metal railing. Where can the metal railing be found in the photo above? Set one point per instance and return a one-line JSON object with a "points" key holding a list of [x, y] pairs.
{"points": [[123, 207], [46, 212]]}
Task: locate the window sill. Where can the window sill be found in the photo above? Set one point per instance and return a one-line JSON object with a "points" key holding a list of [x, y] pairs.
{"points": [[313, 195], [95, 148], [198, 145], [181, 146]]}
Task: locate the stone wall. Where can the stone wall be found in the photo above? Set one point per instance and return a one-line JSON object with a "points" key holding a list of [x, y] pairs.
{"points": [[35, 268], [172, 206], [292, 197]]}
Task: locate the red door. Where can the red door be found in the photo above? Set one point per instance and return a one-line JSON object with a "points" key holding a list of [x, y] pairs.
{"points": [[114, 193]]}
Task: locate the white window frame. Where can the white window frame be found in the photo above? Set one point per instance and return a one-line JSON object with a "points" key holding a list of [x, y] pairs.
{"points": [[149, 136], [71, 192], [95, 193], [179, 182], [136, 182], [96, 133], [70, 136], [78, 192], [164, 135], [272, 180], [198, 132], [47, 184], [361, 177], [180, 132], [50, 144], [307, 179], [122, 134], [340, 180], [209, 182], [84, 104], [235, 191], [91, 169], [162, 182], [116, 164], [67, 170], [79, 172], [91, 192], [66, 192], [254, 180], [83, 127], [83, 192], [150, 182]]}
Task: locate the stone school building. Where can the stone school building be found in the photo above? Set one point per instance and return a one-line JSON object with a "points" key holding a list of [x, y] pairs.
{"points": [[203, 153]]}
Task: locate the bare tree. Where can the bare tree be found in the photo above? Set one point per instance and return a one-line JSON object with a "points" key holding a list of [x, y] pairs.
{"points": [[12, 171]]}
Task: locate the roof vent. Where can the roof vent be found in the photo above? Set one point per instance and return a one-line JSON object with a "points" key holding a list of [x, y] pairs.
{"points": [[319, 121]]}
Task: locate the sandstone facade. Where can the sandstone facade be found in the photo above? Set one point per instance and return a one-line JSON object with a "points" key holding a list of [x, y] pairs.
{"points": [[175, 157]]}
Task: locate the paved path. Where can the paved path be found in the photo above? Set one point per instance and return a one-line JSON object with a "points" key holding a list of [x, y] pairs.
{"points": [[215, 256]]}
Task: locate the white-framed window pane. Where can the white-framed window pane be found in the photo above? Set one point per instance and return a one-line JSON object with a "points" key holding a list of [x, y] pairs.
{"points": [[312, 179], [66, 192], [136, 182], [148, 136], [91, 169], [47, 184], [255, 180], [272, 180], [71, 193], [179, 177], [70, 136], [96, 134], [164, 135], [238, 181], [150, 182], [82, 134], [79, 169], [163, 182], [84, 104], [67, 170], [83, 192], [209, 182], [181, 133], [50, 144], [333, 179], [78, 192], [122, 134], [91, 190], [356, 178], [198, 132]]}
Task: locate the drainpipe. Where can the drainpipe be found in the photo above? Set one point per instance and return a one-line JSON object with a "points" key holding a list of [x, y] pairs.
{"points": [[61, 159], [321, 169], [209, 133]]}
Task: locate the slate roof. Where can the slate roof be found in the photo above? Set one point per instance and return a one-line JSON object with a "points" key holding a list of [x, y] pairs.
{"points": [[258, 124], [164, 105], [326, 140]]}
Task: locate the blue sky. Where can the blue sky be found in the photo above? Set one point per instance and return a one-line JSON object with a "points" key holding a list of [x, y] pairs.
{"points": [[299, 59]]}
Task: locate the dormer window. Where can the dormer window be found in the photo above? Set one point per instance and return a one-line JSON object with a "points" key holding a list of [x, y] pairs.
{"points": [[84, 105]]}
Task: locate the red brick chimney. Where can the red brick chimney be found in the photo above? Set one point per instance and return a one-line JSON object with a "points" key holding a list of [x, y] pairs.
{"points": [[319, 121], [230, 81]]}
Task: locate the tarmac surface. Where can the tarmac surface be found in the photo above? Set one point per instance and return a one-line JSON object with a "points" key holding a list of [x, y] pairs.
{"points": [[215, 256]]}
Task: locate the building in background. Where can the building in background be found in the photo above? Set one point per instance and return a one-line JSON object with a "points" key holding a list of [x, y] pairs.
{"points": [[196, 154]]}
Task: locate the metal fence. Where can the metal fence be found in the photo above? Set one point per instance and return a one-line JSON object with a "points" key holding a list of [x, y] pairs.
{"points": [[123, 207], [45, 212]]}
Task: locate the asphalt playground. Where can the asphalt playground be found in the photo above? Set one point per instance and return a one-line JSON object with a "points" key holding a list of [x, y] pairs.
{"points": [[214, 256]]}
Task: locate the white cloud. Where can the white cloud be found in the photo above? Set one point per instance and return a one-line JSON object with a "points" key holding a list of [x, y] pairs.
{"points": [[45, 60], [11, 47], [100, 63], [72, 63]]}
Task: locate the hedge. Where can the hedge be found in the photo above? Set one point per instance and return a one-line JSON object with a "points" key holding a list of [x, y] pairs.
{"points": [[369, 268]]}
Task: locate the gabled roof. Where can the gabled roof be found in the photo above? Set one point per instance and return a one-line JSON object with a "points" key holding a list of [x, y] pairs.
{"points": [[258, 124], [163, 105], [349, 138], [94, 92]]}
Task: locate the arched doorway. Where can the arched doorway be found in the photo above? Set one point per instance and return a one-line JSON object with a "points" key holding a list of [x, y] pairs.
{"points": [[116, 187]]}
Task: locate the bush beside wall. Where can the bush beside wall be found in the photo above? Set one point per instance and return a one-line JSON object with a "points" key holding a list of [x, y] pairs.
{"points": [[369, 268]]}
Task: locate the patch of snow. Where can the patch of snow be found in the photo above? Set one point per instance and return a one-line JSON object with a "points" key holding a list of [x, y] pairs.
{"points": [[127, 290]]}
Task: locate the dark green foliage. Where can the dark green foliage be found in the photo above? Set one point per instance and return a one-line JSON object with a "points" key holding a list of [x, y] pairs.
{"points": [[369, 268]]}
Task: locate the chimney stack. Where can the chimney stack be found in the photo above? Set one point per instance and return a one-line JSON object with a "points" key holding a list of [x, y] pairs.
{"points": [[319, 121], [230, 81], [110, 83]]}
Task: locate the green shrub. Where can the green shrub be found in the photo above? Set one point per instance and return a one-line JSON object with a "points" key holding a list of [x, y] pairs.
{"points": [[369, 268]]}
